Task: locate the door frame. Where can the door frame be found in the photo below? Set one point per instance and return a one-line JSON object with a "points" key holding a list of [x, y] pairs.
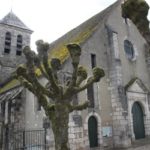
{"points": [[99, 129], [144, 105], [142, 112], [92, 120]]}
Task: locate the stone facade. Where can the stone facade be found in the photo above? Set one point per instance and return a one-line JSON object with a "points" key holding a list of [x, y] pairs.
{"points": [[125, 84], [13, 102]]}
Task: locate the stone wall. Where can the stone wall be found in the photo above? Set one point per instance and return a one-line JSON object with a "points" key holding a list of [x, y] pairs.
{"points": [[10, 61]]}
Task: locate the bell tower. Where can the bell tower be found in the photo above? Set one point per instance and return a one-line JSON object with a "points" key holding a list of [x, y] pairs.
{"points": [[14, 35]]}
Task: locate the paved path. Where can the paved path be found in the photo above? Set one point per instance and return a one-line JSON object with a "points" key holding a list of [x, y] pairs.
{"points": [[143, 144]]}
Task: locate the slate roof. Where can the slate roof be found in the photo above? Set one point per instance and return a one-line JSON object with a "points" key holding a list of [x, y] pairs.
{"points": [[11, 94], [12, 20], [80, 34]]}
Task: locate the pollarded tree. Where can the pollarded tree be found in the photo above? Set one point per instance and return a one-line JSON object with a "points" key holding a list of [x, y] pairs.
{"points": [[137, 11], [56, 99]]}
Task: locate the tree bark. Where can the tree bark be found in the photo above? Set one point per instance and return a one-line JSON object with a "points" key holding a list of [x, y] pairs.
{"points": [[60, 120]]}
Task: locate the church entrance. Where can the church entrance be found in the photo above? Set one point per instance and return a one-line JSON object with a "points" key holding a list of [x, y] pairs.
{"points": [[92, 131], [138, 121]]}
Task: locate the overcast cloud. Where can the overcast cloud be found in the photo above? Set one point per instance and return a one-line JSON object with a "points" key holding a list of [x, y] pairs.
{"points": [[50, 19]]}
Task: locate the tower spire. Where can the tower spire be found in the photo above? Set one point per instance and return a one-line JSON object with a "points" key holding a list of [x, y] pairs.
{"points": [[11, 9]]}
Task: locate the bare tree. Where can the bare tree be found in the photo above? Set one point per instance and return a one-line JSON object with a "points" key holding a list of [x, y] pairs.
{"points": [[55, 98]]}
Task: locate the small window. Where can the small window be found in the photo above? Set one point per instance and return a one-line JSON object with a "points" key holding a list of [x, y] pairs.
{"points": [[19, 45], [7, 46], [93, 60], [129, 50]]}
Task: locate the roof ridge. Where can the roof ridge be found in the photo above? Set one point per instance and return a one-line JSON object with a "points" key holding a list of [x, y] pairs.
{"points": [[103, 11], [79, 34]]}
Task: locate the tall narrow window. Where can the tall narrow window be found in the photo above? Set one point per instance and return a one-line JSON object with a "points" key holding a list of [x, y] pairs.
{"points": [[129, 49], [90, 95], [7, 47], [115, 45], [93, 60], [19, 45]]}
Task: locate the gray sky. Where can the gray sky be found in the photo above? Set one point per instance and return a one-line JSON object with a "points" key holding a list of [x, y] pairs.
{"points": [[50, 19]]}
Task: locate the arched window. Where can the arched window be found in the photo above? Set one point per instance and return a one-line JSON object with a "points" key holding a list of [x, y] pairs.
{"points": [[7, 47], [19, 45], [129, 50]]}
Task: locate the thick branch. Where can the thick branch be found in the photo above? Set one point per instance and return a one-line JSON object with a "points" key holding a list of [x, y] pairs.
{"points": [[43, 72], [21, 71], [26, 84], [43, 101], [42, 49], [55, 66], [31, 57], [79, 81], [81, 75], [98, 73], [37, 62], [41, 98], [79, 107], [74, 76], [50, 74], [90, 81], [75, 52]]}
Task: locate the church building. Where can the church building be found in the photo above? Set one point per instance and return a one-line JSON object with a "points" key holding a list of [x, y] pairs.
{"points": [[119, 111]]}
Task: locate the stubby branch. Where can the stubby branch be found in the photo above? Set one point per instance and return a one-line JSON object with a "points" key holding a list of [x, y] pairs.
{"points": [[81, 75], [43, 48], [79, 107], [98, 73], [75, 52], [22, 72]]}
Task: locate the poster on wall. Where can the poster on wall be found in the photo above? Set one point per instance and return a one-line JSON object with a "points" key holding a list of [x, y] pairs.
{"points": [[107, 131]]}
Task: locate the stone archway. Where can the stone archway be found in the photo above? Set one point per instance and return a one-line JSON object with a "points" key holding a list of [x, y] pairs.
{"points": [[92, 132], [99, 129], [138, 121]]}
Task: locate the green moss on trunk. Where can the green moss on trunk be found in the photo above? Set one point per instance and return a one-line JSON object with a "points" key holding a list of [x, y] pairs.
{"points": [[60, 120]]}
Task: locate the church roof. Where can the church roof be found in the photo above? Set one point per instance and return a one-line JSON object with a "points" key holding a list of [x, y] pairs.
{"points": [[9, 95], [12, 20], [80, 34], [10, 85]]}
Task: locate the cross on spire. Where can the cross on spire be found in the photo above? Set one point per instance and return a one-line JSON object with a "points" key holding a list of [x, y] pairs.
{"points": [[11, 5]]}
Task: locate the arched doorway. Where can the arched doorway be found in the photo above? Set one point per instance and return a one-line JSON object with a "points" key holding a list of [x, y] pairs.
{"points": [[92, 131], [138, 121]]}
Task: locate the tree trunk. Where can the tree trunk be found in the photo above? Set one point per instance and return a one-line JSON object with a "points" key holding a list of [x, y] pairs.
{"points": [[60, 121]]}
